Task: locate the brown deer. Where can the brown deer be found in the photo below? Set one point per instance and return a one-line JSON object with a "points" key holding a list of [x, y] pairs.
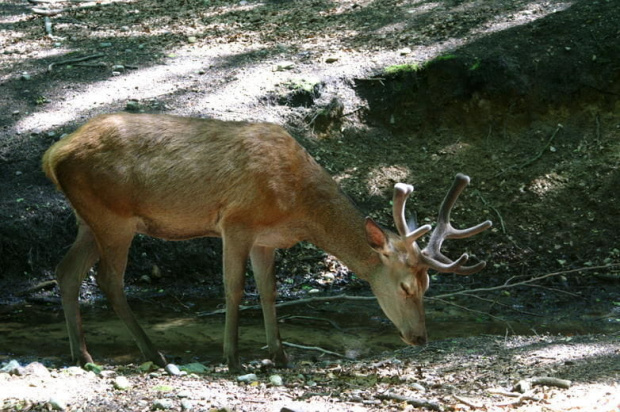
{"points": [[252, 185]]}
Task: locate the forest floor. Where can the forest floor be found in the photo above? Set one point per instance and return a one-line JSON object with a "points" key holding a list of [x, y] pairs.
{"points": [[523, 96]]}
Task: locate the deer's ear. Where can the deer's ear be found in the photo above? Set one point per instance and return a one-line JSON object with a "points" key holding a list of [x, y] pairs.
{"points": [[376, 237]]}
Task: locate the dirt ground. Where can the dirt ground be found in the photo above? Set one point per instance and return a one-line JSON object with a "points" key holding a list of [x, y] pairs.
{"points": [[523, 96]]}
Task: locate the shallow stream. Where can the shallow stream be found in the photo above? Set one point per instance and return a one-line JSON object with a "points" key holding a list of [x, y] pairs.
{"points": [[351, 328]]}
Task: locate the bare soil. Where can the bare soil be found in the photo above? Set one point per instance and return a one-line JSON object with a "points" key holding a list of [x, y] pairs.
{"points": [[523, 96]]}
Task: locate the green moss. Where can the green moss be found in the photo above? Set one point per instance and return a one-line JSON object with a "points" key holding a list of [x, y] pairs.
{"points": [[402, 68]]}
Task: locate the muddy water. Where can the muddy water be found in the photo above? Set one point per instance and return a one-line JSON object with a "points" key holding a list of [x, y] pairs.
{"points": [[353, 329]]}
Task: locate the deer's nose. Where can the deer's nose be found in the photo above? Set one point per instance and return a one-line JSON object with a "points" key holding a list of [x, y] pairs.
{"points": [[418, 340]]}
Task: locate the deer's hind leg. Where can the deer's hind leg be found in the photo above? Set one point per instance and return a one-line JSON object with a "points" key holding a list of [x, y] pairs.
{"points": [[114, 236], [70, 273]]}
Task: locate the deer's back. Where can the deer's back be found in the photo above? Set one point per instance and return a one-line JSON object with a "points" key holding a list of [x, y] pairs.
{"points": [[168, 169]]}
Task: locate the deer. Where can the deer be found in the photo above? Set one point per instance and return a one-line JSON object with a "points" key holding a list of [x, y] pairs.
{"points": [[254, 186]]}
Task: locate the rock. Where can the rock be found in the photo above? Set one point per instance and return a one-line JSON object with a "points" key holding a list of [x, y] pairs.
{"points": [[25, 76], [405, 51], [331, 59], [134, 106], [417, 387], [250, 377], [285, 65], [276, 380], [121, 383], [105, 44], [194, 368], [184, 394], [11, 367], [109, 374], [187, 405], [57, 404], [191, 39], [36, 369], [162, 404], [172, 369], [118, 68]]}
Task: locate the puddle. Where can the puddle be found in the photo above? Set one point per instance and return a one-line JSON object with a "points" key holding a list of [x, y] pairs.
{"points": [[352, 329]]}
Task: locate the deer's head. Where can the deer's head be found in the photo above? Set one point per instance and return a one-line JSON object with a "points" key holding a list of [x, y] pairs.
{"points": [[401, 280]]}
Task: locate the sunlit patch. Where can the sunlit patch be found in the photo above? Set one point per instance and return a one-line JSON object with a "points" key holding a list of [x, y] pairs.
{"points": [[532, 11], [383, 178], [551, 182]]}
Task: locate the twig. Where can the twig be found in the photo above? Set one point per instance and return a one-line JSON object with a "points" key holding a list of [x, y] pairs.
{"points": [[509, 307], [468, 402], [418, 403], [314, 348], [525, 282], [78, 59], [525, 385], [438, 297], [538, 155], [292, 317], [48, 284], [519, 400], [499, 216], [293, 302]]}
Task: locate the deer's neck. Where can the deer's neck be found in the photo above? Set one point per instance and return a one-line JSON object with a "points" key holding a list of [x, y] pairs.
{"points": [[339, 229]]}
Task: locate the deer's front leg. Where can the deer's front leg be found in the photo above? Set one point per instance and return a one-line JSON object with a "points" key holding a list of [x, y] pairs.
{"points": [[235, 251], [263, 265]]}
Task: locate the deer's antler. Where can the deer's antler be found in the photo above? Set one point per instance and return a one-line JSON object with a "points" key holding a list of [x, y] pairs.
{"points": [[431, 255]]}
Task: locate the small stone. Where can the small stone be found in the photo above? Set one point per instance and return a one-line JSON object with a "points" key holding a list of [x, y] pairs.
{"points": [[105, 44], [25, 76], [11, 367], [417, 387], [172, 369], [329, 277], [285, 65], [118, 67], [191, 39], [313, 291], [404, 51], [331, 59], [250, 377], [121, 383], [162, 404], [124, 28], [108, 374], [74, 371], [57, 404], [187, 405], [19, 173], [276, 380], [194, 367]]}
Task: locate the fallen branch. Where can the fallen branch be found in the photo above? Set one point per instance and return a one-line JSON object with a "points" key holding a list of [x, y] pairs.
{"points": [[313, 348], [520, 397], [525, 282], [293, 317], [438, 297], [537, 156], [525, 385], [468, 402], [48, 284], [76, 60], [418, 403], [293, 302]]}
